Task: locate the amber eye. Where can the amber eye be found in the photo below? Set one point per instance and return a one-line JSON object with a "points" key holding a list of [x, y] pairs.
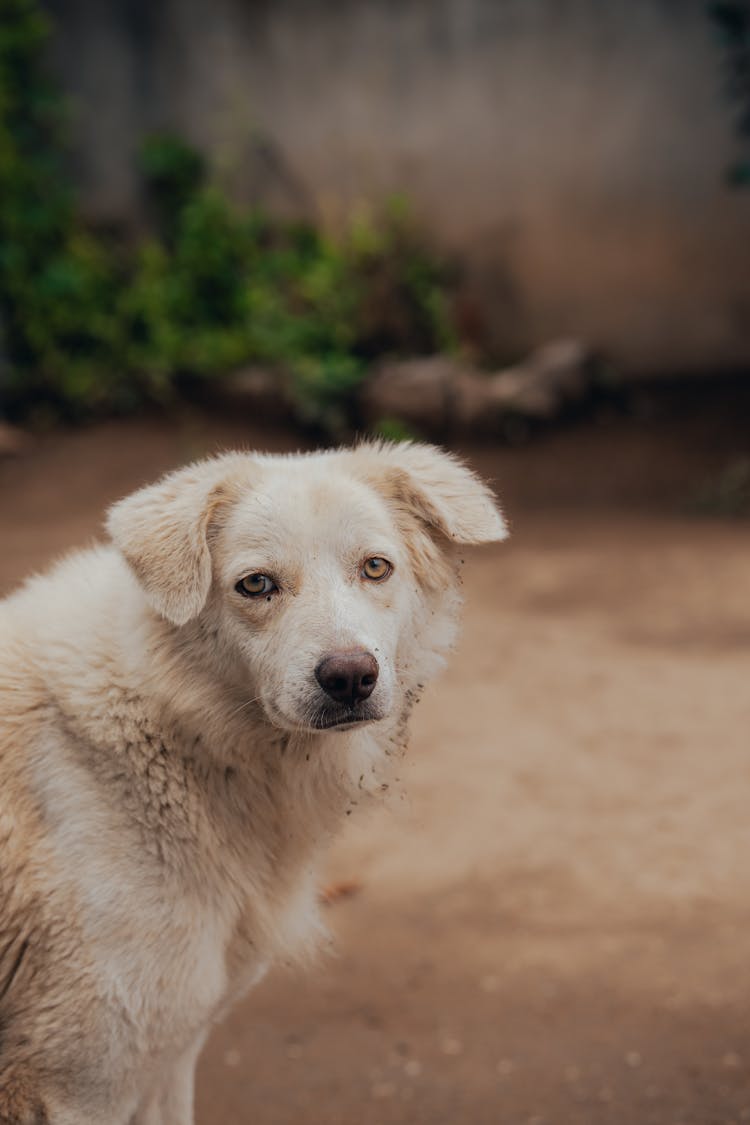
{"points": [[376, 569], [256, 585]]}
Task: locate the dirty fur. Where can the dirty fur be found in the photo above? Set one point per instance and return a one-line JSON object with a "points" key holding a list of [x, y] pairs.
{"points": [[165, 789]]}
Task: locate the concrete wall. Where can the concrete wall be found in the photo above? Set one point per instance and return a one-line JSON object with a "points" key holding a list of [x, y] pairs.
{"points": [[571, 151]]}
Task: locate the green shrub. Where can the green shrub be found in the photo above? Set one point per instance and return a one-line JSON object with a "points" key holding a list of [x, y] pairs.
{"points": [[92, 325]]}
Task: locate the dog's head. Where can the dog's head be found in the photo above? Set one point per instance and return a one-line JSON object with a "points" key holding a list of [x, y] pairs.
{"points": [[327, 581]]}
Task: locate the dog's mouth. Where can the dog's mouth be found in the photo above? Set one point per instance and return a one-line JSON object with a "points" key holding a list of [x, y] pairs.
{"points": [[345, 718], [334, 718]]}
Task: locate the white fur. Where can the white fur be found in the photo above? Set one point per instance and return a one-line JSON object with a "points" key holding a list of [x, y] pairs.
{"points": [[164, 788]]}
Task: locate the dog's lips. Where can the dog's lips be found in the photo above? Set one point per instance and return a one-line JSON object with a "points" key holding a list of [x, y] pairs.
{"points": [[346, 721], [333, 719]]}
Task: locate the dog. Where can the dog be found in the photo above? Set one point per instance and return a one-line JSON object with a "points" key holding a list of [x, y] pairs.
{"points": [[187, 714]]}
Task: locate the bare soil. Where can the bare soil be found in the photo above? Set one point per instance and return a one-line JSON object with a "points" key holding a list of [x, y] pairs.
{"points": [[550, 921]]}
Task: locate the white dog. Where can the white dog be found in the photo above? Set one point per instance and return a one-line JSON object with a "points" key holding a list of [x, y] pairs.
{"points": [[186, 716]]}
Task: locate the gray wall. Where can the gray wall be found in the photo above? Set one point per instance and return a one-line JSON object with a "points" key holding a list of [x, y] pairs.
{"points": [[571, 151]]}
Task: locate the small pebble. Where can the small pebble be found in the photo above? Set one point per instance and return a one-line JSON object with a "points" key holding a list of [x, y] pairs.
{"points": [[451, 1047], [506, 1067], [232, 1057], [731, 1060], [413, 1068], [633, 1059]]}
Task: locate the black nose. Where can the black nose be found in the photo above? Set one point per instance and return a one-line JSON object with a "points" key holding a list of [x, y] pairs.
{"points": [[348, 677]]}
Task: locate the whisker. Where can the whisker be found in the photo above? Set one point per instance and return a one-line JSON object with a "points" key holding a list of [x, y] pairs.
{"points": [[242, 706]]}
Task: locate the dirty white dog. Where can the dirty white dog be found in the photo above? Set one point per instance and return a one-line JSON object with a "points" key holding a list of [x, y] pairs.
{"points": [[186, 716]]}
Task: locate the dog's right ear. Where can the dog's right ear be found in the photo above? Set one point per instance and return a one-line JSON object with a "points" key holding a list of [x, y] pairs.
{"points": [[162, 531]]}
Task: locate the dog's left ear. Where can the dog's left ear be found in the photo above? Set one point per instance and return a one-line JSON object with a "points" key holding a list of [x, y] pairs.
{"points": [[162, 531], [443, 493]]}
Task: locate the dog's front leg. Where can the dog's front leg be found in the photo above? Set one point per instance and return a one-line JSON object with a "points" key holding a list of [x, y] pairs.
{"points": [[171, 1101]]}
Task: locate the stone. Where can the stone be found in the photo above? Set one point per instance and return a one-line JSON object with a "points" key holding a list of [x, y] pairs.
{"points": [[416, 391], [437, 394], [544, 383]]}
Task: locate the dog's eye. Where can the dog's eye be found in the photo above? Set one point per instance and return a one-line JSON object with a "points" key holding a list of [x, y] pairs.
{"points": [[376, 569], [256, 585]]}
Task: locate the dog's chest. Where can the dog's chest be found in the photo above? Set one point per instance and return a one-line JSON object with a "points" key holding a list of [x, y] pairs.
{"points": [[193, 960], [196, 957], [154, 921], [180, 905]]}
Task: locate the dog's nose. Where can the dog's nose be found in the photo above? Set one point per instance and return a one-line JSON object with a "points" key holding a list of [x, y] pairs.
{"points": [[348, 677]]}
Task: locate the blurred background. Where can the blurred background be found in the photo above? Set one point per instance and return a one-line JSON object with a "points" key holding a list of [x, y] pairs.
{"points": [[520, 228]]}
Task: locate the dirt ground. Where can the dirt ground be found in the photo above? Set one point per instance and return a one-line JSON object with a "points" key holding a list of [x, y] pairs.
{"points": [[551, 924]]}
